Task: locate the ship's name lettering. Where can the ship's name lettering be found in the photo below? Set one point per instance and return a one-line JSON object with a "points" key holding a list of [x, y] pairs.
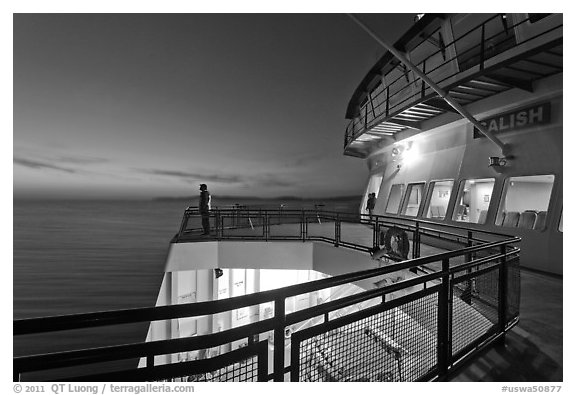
{"points": [[518, 119]]}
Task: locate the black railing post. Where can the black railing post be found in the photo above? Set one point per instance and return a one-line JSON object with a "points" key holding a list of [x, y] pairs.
{"points": [[280, 315], [150, 362], [266, 225], [444, 348], [387, 100], [419, 244], [304, 222], [337, 230], [221, 226], [184, 224], [216, 222], [502, 289], [482, 48], [375, 243], [415, 241], [423, 92]]}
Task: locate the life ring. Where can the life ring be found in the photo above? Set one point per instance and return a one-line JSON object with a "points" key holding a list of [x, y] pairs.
{"points": [[396, 242]]}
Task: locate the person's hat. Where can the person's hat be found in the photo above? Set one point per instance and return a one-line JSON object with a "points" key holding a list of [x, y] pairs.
{"points": [[203, 187]]}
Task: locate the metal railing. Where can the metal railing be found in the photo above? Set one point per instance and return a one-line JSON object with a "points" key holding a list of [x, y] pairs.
{"points": [[386, 103], [416, 329]]}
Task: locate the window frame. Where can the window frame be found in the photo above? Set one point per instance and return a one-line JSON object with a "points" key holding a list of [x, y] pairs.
{"points": [[406, 199], [460, 190], [403, 193], [428, 200], [504, 193]]}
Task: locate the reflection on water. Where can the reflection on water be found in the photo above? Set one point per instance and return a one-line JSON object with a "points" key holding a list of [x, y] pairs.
{"points": [[84, 256]]}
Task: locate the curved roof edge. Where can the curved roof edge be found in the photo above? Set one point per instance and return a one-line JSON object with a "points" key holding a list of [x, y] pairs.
{"points": [[427, 23]]}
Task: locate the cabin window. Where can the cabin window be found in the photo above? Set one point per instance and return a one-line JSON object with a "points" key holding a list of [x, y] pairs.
{"points": [[525, 201], [413, 199], [395, 198], [473, 200], [560, 224], [439, 198]]}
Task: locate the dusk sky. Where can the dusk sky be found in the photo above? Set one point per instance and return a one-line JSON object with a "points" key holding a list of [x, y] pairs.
{"points": [[150, 105]]}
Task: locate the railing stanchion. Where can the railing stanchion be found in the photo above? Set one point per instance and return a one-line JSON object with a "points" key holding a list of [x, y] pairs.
{"points": [[221, 234], [502, 289], [444, 319], [184, 224], [416, 241], [337, 230], [375, 242], [280, 315], [266, 225], [216, 221], [482, 47], [304, 225]]}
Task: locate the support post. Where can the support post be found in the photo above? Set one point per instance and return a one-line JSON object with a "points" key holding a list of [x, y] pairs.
{"points": [[444, 320], [375, 243], [280, 313], [482, 47], [218, 224], [502, 289], [337, 230], [415, 241], [184, 224]]}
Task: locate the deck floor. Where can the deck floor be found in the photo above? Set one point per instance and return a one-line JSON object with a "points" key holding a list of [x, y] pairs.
{"points": [[532, 351]]}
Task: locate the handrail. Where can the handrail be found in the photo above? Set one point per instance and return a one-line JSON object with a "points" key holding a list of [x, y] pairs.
{"points": [[500, 255], [125, 316], [324, 213], [351, 134]]}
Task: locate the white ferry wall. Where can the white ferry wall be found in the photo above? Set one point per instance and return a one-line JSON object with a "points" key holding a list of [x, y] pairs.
{"points": [[446, 150]]}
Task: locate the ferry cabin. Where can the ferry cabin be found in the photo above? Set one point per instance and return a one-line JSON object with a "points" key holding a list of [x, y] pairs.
{"points": [[425, 161]]}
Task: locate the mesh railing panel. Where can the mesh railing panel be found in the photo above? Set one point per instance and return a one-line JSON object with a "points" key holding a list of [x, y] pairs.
{"points": [[474, 308], [394, 345], [245, 370], [513, 290]]}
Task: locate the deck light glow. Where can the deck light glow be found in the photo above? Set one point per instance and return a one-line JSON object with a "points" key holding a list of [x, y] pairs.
{"points": [[411, 155]]}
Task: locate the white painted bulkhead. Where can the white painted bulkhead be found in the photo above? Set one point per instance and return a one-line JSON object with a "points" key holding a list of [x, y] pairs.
{"points": [[250, 267], [446, 150]]}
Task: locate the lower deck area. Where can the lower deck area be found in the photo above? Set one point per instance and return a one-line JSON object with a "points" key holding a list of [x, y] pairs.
{"points": [[533, 349], [219, 314]]}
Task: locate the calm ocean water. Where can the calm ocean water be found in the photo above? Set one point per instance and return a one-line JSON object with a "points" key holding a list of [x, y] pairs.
{"points": [[85, 256]]}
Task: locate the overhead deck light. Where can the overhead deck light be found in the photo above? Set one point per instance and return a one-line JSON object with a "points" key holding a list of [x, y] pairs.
{"points": [[405, 153]]}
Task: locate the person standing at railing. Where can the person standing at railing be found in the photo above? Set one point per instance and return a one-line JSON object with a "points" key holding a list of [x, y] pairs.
{"points": [[370, 204], [204, 207]]}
